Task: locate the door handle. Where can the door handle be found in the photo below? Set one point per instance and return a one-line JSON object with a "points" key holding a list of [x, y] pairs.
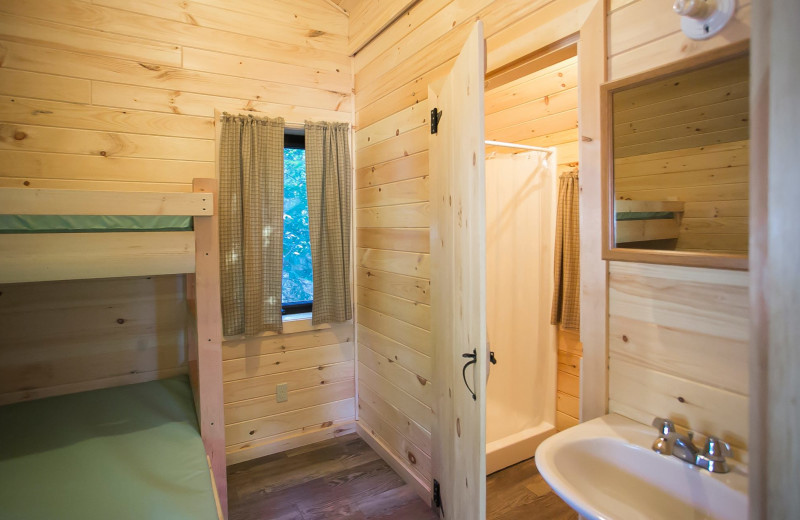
{"points": [[473, 358]]}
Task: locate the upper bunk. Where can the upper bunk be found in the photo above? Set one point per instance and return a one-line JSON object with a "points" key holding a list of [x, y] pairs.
{"points": [[87, 253], [638, 221]]}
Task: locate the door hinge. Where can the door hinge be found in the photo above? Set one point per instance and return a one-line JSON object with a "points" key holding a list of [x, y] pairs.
{"points": [[437, 496], [436, 116]]}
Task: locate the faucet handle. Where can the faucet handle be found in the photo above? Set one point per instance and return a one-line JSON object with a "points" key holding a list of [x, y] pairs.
{"points": [[716, 448], [664, 426]]}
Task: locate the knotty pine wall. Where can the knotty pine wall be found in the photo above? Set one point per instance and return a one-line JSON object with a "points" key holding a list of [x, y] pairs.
{"points": [[568, 379], [70, 336], [392, 75], [539, 109], [121, 95], [678, 336], [318, 366]]}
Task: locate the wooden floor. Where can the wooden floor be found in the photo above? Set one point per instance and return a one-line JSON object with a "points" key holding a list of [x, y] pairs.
{"points": [[339, 478], [345, 478], [519, 492]]}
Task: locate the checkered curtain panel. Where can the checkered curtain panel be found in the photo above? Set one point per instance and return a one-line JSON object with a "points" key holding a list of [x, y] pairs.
{"points": [[329, 207], [566, 309], [251, 224]]}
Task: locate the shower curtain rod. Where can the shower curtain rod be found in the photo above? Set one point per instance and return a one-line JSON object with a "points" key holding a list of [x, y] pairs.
{"points": [[521, 146]]}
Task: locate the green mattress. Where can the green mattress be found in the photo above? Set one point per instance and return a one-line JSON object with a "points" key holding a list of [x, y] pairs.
{"points": [[641, 215], [91, 223], [130, 452]]}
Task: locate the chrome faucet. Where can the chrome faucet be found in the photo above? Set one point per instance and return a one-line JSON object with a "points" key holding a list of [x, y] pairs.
{"points": [[670, 442]]}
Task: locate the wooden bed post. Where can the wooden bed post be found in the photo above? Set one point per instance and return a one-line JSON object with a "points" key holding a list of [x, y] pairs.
{"points": [[206, 353]]}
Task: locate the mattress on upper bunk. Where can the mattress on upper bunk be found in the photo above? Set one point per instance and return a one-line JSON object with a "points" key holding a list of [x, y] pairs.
{"points": [[644, 215], [129, 452], [92, 223]]}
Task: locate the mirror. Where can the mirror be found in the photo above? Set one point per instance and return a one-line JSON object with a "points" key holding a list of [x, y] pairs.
{"points": [[678, 163]]}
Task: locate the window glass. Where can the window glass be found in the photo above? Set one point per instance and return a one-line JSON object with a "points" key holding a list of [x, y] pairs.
{"points": [[298, 282]]}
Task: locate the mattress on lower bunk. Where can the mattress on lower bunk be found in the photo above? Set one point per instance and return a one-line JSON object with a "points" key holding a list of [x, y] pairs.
{"points": [[125, 452]]}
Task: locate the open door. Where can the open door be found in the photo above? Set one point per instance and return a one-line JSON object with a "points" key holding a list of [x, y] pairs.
{"points": [[458, 285]]}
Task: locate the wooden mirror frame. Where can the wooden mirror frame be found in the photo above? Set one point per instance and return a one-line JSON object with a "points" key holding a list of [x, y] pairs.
{"points": [[607, 90]]}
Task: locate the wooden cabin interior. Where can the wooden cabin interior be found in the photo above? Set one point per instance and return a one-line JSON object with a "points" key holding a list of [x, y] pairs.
{"points": [[399, 259]]}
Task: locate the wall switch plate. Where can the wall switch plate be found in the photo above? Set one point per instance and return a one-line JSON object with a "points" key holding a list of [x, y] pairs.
{"points": [[282, 391]]}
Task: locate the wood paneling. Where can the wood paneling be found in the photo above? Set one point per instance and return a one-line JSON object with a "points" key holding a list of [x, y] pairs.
{"points": [[87, 85], [368, 19], [539, 109], [316, 364], [63, 337], [678, 341], [568, 378], [643, 34], [392, 76]]}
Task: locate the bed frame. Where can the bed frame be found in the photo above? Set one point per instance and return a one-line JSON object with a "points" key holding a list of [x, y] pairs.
{"points": [[645, 230], [74, 256]]}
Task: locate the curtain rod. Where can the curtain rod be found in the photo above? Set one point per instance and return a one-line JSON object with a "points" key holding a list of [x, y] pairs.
{"points": [[521, 146], [286, 124]]}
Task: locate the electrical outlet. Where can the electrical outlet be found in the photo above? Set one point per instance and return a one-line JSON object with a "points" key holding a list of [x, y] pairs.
{"points": [[282, 392]]}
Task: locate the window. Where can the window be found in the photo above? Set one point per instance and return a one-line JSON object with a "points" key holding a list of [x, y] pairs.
{"points": [[298, 283]]}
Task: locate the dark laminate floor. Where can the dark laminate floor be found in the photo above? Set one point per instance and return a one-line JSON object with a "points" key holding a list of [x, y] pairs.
{"points": [[519, 492], [345, 478], [339, 478]]}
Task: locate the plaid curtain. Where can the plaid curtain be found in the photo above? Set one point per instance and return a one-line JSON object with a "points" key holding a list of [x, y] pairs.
{"points": [[328, 179], [567, 266], [251, 224]]}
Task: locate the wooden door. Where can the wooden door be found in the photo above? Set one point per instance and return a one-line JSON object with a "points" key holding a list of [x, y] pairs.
{"points": [[458, 285]]}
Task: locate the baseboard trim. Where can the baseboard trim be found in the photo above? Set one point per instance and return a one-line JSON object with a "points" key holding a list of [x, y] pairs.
{"points": [[422, 488]]}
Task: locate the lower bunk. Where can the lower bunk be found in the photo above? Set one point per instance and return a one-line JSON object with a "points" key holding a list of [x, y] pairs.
{"points": [[131, 451]]}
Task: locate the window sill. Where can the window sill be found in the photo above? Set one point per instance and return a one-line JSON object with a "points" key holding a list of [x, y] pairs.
{"points": [[300, 322], [300, 316], [292, 324]]}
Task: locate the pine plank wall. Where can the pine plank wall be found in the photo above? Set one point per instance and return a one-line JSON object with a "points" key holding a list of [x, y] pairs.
{"points": [[121, 95], [678, 336]]}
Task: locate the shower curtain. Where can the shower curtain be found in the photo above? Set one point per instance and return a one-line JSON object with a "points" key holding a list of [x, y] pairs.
{"points": [[520, 225], [566, 266]]}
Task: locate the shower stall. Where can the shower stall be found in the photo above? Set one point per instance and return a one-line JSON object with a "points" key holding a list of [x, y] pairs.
{"points": [[520, 232]]}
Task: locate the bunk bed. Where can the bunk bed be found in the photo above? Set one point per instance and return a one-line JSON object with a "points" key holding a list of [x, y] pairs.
{"points": [[639, 221], [146, 450]]}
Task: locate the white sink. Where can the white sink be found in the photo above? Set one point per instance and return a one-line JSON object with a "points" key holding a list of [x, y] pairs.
{"points": [[605, 469]]}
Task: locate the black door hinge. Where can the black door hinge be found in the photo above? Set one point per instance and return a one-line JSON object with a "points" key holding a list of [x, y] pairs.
{"points": [[437, 496], [436, 116]]}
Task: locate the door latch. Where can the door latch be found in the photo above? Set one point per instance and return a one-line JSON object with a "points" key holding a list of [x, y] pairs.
{"points": [[473, 358]]}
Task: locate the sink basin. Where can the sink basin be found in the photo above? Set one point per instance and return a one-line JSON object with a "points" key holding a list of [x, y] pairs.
{"points": [[605, 469]]}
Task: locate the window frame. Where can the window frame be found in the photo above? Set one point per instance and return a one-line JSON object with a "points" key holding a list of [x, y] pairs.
{"points": [[297, 142]]}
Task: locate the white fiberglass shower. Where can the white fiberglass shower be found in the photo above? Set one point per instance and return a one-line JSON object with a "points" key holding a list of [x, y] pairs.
{"points": [[521, 202]]}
